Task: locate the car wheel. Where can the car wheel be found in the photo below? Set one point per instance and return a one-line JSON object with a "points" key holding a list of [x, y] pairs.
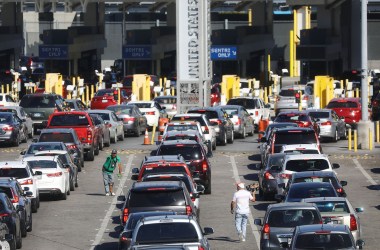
{"points": [[18, 239], [223, 142], [336, 136], [38, 202], [72, 186], [101, 144], [24, 136], [214, 145], [208, 188], [23, 228], [114, 138], [68, 191], [16, 142], [76, 183], [345, 136], [34, 205], [63, 196], [138, 131], [231, 139], [252, 131], [90, 154], [12, 243], [243, 134], [96, 150], [30, 226]]}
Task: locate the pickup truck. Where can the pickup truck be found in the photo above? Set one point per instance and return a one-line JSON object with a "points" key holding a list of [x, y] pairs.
{"points": [[88, 133]]}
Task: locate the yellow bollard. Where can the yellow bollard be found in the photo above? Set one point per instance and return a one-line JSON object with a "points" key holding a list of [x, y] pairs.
{"points": [[2, 89], [357, 92], [270, 90], [87, 94], [355, 140], [118, 96], [377, 132], [82, 97], [172, 91], [7, 88], [92, 91], [160, 82], [370, 139], [265, 95], [153, 133], [349, 140]]}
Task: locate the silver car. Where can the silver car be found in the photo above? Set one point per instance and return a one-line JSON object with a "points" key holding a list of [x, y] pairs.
{"points": [[169, 102], [331, 125], [242, 120], [113, 122], [286, 99], [20, 112]]}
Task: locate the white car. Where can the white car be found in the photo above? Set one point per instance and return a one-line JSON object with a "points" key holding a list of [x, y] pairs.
{"points": [[55, 178], [22, 171], [7, 100], [300, 149], [151, 110], [115, 124]]}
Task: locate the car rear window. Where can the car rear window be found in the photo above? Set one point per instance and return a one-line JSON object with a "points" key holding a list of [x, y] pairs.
{"points": [[303, 192], [331, 180], [332, 206], [209, 114], [232, 111], [36, 148], [166, 233], [157, 197], [56, 137], [183, 127], [296, 138], [181, 137], [293, 217], [245, 102], [143, 105], [18, 173], [69, 120], [5, 118], [307, 165], [323, 241], [166, 100], [7, 191], [190, 118], [319, 114], [121, 110], [104, 116], [163, 169], [347, 104], [291, 118], [191, 152], [28, 101], [42, 164], [104, 92]]}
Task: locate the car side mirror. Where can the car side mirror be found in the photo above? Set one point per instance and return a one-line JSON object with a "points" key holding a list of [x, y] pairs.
{"points": [[359, 210], [38, 173], [250, 113], [29, 193], [209, 154], [19, 208], [258, 222], [231, 116], [23, 120], [208, 230], [263, 139], [343, 183], [26, 189], [35, 140], [335, 165], [279, 197], [200, 188], [22, 152], [195, 195]]}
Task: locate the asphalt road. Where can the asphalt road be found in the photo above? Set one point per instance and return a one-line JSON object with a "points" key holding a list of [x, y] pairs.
{"points": [[90, 220]]}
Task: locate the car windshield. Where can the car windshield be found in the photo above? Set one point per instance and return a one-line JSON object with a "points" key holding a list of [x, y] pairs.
{"points": [[18, 173], [42, 101], [295, 138], [323, 241], [121, 110], [166, 233], [104, 116], [182, 127], [143, 105], [293, 217], [69, 120], [319, 114], [307, 165], [188, 152], [36, 148], [303, 192], [42, 164], [332, 206], [338, 104], [56, 137], [157, 198], [245, 102]]}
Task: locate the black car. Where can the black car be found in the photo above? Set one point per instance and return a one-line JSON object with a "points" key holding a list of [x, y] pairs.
{"points": [[67, 136], [267, 176], [158, 196], [12, 129], [10, 216], [20, 201], [224, 128]]}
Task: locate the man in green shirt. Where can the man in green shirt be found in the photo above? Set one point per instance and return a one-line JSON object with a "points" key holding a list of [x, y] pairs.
{"points": [[109, 166]]}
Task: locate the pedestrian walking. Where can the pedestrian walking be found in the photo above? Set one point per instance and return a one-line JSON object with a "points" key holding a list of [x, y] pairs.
{"points": [[240, 204], [109, 166]]}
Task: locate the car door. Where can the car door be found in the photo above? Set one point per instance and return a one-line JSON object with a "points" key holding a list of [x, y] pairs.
{"points": [[26, 201], [140, 117], [340, 124], [248, 121], [28, 120], [119, 124], [66, 173]]}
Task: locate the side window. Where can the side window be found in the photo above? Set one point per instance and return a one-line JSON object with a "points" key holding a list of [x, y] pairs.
{"points": [[114, 117], [22, 112], [19, 190], [9, 204], [9, 99]]}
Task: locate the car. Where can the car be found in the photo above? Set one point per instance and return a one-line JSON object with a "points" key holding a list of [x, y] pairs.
{"points": [[243, 122], [224, 128], [195, 157], [303, 190], [5, 236], [11, 218], [300, 149], [331, 126], [281, 219], [20, 112], [338, 210], [40, 106], [20, 201], [323, 237], [105, 134], [126, 235], [55, 178], [300, 117], [106, 97], [169, 102], [133, 120], [268, 176], [28, 180], [76, 104], [286, 99], [113, 122], [348, 108], [174, 231], [255, 106], [7, 100], [158, 196], [56, 136], [152, 110], [186, 135], [12, 129], [215, 95], [318, 176], [207, 129], [375, 105]]}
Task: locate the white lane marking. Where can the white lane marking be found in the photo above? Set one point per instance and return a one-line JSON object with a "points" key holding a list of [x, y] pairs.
{"points": [[366, 175], [254, 228], [108, 215]]}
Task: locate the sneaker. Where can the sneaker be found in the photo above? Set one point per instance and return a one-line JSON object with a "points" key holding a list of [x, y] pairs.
{"points": [[243, 239], [113, 194], [240, 236], [107, 194]]}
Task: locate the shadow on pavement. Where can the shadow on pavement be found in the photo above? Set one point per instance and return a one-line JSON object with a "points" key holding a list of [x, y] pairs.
{"points": [[115, 234], [97, 194], [261, 206], [107, 246], [116, 220], [374, 187], [378, 207], [253, 166], [254, 157], [222, 238], [375, 170], [251, 177]]}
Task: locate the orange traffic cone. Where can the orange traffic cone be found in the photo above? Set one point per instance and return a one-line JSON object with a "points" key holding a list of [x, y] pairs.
{"points": [[146, 138]]}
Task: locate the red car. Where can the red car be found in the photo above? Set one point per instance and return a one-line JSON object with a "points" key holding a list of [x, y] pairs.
{"points": [[300, 117], [106, 97], [349, 108]]}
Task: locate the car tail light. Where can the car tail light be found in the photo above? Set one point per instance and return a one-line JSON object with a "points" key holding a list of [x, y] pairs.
{"points": [[7, 128], [27, 182], [72, 146], [339, 190], [124, 239], [201, 248], [4, 214], [306, 124], [238, 122], [206, 131], [285, 176], [57, 174], [89, 135], [204, 166], [150, 113], [125, 215], [256, 113], [268, 176], [375, 103], [353, 223], [109, 125], [189, 210], [266, 231], [328, 123], [278, 98], [129, 119], [218, 121], [192, 197], [15, 198]]}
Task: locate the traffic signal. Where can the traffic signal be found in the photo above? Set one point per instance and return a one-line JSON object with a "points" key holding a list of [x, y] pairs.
{"points": [[298, 97]]}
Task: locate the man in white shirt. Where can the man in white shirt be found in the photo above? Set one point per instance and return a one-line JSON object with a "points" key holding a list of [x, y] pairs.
{"points": [[240, 201]]}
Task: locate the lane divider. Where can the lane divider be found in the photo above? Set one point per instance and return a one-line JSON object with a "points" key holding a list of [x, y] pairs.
{"points": [[366, 175]]}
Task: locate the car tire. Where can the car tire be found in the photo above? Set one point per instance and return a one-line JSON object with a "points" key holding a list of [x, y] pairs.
{"points": [[114, 138], [30, 227], [231, 139], [24, 233], [336, 136], [12, 244], [252, 131], [34, 205], [243, 134], [16, 142], [101, 144], [72, 186], [63, 196], [68, 191], [214, 145], [76, 183], [223, 142], [96, 150], [38, 202], [19, 239], [24, 137], [208, 188], [90, 154]]}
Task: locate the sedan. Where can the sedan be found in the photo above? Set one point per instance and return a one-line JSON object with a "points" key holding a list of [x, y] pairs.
{"points": [[11, 129], [169, 102], [299, 191], [20, 112], [152, 111], [113, 122], [242, 120], [105, 137], [133, 120], [331, 125], [300, 117]]}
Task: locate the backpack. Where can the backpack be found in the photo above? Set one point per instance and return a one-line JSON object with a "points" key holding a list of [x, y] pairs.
{"points": [[110, 164]]}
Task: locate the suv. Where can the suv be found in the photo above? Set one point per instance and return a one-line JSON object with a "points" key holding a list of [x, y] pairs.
{"points": [[10, 216], [303, 119], [195, 157], [28, 180], [158, 196], [286, 99], [20, 201], [160, 167], [281, 219], [175, 230], [40, 106], [225, 128], [66, 135]]}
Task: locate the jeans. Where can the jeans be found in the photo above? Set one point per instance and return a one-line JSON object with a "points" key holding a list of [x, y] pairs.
{"points": [[108, 180], [241, 223]]}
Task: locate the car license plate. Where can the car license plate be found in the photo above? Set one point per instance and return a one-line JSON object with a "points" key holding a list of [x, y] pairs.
{"points": [[104, 101], [289, 241], [37, 115]]}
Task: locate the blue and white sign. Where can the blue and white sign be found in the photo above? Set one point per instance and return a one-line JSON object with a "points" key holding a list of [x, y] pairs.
{"points": [[54, 52], [223, 52], [137, 52]]}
